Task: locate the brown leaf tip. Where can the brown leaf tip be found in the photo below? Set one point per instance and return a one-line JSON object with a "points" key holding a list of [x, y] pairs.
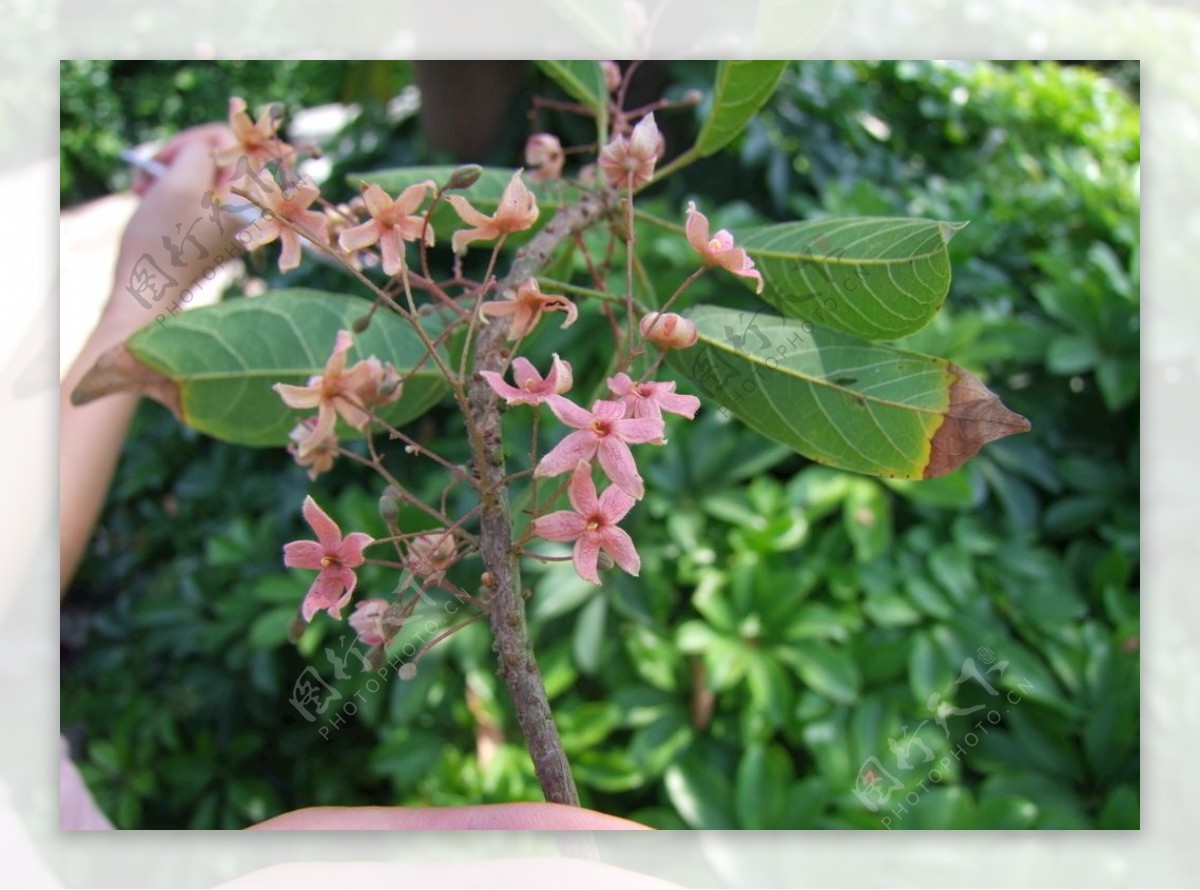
{"points": [[118, 370], [974, 417]]}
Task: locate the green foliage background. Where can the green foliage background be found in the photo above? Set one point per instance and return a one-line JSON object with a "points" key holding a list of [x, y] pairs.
{"points": [[789, 619]]}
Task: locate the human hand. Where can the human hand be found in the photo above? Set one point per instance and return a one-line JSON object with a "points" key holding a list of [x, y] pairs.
{"points": [[507, 816], [171, 208]]}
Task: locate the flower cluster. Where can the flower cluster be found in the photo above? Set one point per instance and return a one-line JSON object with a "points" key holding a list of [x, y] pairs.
{"points": [[634, 416]]}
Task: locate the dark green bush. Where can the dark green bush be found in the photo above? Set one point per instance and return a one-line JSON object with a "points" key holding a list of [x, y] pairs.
{"points": [[791, 622]]}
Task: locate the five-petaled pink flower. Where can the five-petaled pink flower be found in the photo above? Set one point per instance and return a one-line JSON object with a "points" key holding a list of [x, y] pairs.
{"points": [[544, 153], [340, 391], [256, 142], [651, 399], [628, 161], [333, 556], [604, 433], [289, 203], [526, 305], [719, 250], [531, 388], [392, 223], [518, 211], [592, 525]]}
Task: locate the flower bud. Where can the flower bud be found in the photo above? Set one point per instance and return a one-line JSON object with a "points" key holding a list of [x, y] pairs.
{"points": [[628, 161], [389, 510], [668, 330], [612, 75], [464, 177], [431, 552], [544, 152], [367, 622], [407, 671]]}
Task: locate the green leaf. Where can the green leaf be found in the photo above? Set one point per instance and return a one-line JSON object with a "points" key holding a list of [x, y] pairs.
{"points": [[867, 516], [1008, 812], [700, 794], [741, 89], [589, 634], [215, 365], [764, 777], [842, 401], [828, 671], [583, 81], [877, 277]]}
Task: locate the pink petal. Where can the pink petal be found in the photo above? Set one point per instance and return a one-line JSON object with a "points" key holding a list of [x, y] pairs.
{"points": [[327, 530], [569, 413], [617, 544], [639, 429], [351, 413], [298, 396], [315, 224], [467, 213], [697, 229], [524, 372], [567, 453], [265, 232], [412, 197], [608, 411], [686, 406], [359, 237], [377, 200], [614, 504], [499, 307], [562, 525], [326, 592], [620, 384], [506, 391], [585, 557], [351, 550], [303, 555], [582, 491], [289, 257], [617, 461], [560, 379], [392, 251]]}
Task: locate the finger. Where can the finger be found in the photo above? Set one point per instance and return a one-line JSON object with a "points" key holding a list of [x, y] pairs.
{"points": [[515, 816]]}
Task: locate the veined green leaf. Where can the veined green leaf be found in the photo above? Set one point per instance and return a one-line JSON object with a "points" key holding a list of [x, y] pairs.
{"points": [[879, 278], [215, 366], [584, 82], [840, 400], [741, 89]]}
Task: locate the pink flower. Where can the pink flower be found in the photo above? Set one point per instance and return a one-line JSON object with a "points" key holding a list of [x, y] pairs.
{"points": [[319, 456], [340, 391], [392, 223], [592, 525], [255, 141], [517, 211], [526, 306], [668, 330], [651, 399], [293, 209], [604, 433], [628, 161], [544, 153], [719, 250], [333, 556], [372, 623], [531, 388]]}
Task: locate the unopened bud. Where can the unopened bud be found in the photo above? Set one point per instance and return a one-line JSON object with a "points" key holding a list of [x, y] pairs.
{"points": [[377, 657], [296, 629], [604, 562], [612, 75], [407, 671], [692, 97], [464, 177], [669, 330], [362, 324], [389, 510], [431, 552]]}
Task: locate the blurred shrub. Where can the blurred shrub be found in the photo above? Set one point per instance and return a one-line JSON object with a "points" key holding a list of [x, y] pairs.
{"points": [[966, 647]]}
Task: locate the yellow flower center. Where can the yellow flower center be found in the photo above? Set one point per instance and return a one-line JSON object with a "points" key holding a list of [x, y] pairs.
{"points": [[330, 561]]}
